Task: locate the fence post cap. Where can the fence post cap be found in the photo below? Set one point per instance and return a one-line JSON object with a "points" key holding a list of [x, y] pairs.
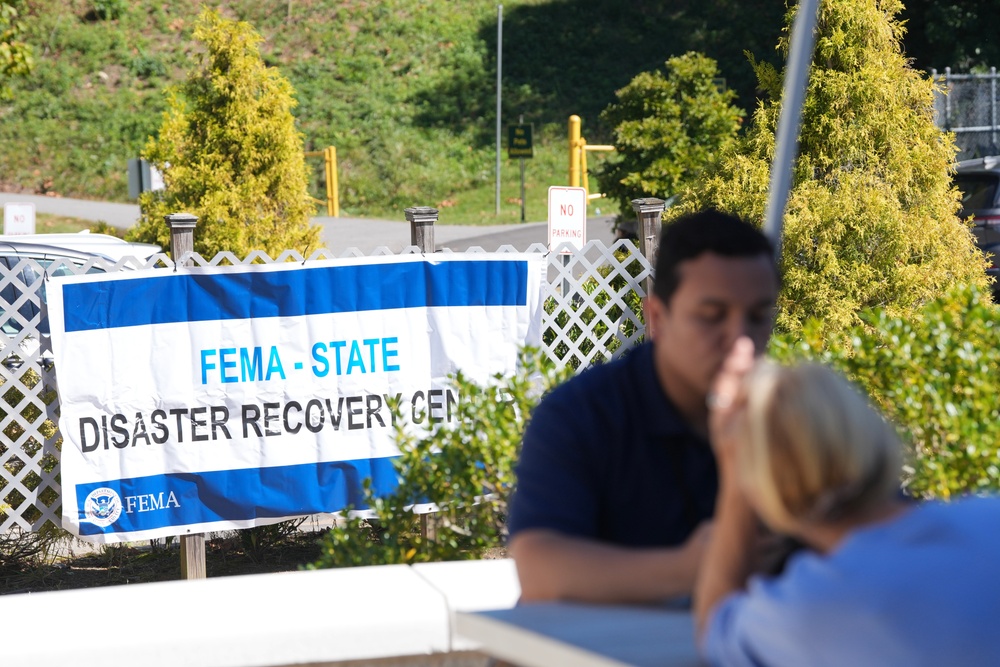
{"points": [[421, 215], [181, 220], [648, 205]]}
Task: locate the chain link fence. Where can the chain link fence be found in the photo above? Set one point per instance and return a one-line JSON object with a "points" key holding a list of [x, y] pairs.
{"points": [[591, 313], [968, 105]]}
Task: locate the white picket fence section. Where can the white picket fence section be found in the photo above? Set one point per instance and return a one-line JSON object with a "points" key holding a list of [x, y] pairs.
{"points": [[591, 301]]}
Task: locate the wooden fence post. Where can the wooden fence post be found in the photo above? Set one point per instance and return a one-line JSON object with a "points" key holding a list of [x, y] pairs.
{"points": [[422, 219], [181, 234], [650, 213], [182, 241]]}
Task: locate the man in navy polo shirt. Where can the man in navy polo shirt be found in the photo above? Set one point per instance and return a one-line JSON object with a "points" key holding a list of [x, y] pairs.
{"points": [[617, 481]]}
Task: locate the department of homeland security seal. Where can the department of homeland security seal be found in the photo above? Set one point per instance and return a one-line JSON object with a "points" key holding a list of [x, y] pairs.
{"points": [[102, 507]]}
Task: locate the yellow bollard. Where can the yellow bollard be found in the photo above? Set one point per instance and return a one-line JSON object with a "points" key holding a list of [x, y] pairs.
{"points": [[574, 151], [332, 183]]}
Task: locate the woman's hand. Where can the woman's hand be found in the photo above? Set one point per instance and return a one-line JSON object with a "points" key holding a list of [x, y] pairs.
{"points": [[726, 403], [728, 559]]}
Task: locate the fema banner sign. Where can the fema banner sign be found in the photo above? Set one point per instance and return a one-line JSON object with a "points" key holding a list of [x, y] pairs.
{"points": [[227, 397]]}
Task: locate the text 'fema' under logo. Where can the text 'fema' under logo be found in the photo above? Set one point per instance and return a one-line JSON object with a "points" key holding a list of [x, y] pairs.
{"points": [[102, 507]]}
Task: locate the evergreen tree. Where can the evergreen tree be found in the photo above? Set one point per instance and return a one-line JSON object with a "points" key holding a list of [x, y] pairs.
{"points": [[666, 129], [872, 215], [230, 154]]}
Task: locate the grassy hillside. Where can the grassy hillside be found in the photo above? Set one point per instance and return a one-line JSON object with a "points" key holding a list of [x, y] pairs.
{"points": [[404, 88]]}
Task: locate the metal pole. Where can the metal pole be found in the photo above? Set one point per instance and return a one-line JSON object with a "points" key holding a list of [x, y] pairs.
{"points": [[993, 107], [522, 189], [499, 69], [947, 98], [520, 121], [422, 219], [649, 210], [787, 138]]}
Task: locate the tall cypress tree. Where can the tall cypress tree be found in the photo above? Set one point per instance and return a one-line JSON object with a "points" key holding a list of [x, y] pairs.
{"points": [[230, 153], [872, 214]]}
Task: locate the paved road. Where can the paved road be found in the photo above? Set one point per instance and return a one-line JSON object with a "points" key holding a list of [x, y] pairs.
{"points": [[342, 233]]}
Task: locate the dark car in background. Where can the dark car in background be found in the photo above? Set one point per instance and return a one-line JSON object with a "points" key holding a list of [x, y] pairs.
{"points": [[979, 182]]}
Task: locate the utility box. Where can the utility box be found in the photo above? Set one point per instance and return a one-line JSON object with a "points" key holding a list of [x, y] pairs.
{"points": [[142, 177]]}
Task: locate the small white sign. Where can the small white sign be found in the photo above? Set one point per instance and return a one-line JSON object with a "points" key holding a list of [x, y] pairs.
{"points": [[18, 218], [567, 217], [155, 179]]}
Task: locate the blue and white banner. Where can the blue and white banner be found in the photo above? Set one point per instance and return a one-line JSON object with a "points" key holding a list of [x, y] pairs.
{"points": [[227, 397]]}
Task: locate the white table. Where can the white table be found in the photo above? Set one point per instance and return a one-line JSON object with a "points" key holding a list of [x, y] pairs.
{"points": [[551, 634]]}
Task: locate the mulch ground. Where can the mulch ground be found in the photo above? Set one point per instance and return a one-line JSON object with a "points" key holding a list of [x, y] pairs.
{"points": [[113, 565]]}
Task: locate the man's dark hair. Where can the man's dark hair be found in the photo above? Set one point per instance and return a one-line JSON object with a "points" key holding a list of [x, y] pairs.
{"points": [[706, 231]]}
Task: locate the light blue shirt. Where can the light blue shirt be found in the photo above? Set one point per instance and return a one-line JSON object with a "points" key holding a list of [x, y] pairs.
{"points": [[921, 589]]}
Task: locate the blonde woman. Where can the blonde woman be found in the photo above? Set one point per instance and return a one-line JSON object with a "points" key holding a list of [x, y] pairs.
{"points": [[885, 582]]}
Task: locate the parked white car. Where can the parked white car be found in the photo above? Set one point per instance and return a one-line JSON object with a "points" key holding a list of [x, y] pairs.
{"points": [[109, 246], [53, 254]]}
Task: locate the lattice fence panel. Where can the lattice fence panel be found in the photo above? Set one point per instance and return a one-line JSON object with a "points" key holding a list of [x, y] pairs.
{"points": [[591, 313]]}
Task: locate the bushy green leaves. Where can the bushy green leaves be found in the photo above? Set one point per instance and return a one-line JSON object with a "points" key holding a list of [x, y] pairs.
{"points": [[465, 468], [15, 55], [666, 129], [230, 153], [936, 375], [871, 218]]}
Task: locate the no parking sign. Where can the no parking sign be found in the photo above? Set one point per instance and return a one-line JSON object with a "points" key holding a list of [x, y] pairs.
{"points": [[567, 217]]}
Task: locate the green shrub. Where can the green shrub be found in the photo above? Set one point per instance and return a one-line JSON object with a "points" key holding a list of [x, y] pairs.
{"points": [[465, 468], [230, 154], [666, 130], [936, 375]]}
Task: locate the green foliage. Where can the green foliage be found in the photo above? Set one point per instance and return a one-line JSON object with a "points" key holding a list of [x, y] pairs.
{"points": [[585, 323], [936, 375], [15, 56], [667, 129], [110, 10], [230, 154], [956, 33], [405, 89], [871, 217], [465, 468], [424, 70]]}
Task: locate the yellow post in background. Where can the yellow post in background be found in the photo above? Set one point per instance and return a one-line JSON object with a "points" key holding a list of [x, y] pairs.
{"points": [[574, 151], [332, 184], [329, 155]]}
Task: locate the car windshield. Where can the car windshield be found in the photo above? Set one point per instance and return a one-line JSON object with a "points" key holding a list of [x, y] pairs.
{"points": [[978, 190]]}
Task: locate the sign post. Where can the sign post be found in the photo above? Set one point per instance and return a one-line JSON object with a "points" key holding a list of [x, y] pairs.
{"points": [[18, 218], [519, 146], [567, 222]]}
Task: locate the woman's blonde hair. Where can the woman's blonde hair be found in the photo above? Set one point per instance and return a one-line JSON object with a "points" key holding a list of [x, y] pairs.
{"points": [[815, 450]]}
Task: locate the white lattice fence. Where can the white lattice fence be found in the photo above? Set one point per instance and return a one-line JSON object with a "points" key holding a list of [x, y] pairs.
{"points": [[591, 313]]}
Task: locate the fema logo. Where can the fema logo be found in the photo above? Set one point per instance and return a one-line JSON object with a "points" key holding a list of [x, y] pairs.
{"points": [[102, 507]]}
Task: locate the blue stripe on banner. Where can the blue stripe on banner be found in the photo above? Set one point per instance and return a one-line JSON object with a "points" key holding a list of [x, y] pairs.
{"points": [[237, 495], [182, 297]]}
